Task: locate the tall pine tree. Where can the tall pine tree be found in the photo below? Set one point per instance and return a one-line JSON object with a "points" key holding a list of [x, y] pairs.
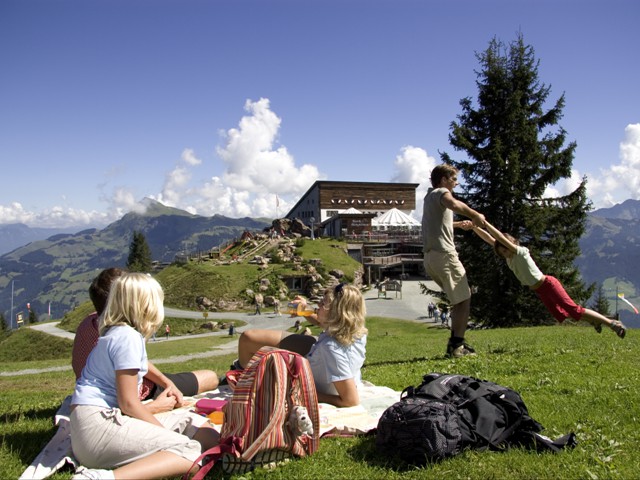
{"points": [[139, 259], [515, 151], [600, 302]]}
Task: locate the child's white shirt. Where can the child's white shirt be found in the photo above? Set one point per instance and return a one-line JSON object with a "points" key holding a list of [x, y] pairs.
{"points": [[524, 268]]}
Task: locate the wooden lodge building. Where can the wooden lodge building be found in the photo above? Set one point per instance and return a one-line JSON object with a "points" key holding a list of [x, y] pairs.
{"points": [[349, 210]]}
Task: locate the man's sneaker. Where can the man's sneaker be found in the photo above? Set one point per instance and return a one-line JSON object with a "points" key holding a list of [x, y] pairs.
{"points": [[462, 350], [236, 365]]}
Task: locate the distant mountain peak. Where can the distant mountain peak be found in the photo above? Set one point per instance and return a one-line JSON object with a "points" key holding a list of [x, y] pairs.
{"points": [[627, 210], [154, 208]]}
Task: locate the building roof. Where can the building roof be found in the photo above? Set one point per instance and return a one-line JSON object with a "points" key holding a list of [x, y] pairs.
{"points": [[395, 218], [351, 210]]}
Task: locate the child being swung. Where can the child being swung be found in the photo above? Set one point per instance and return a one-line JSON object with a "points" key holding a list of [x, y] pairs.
{"points": [[547, 288]]}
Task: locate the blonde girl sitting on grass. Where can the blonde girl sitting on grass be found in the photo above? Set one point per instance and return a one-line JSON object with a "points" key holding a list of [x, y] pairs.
{"points": [[335, 357], [113, 434]]}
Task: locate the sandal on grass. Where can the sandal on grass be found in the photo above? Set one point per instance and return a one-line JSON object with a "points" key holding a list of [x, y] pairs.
{"points": [[618, 327]]}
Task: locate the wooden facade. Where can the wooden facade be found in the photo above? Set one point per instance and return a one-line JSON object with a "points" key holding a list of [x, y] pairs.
{"points": [[326, 199]]}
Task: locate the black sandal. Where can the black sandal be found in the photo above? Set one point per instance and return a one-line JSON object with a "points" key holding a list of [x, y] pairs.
{"points": [[618, 327]]}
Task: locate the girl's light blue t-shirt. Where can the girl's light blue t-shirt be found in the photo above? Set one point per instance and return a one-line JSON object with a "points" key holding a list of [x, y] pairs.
{"points": [[120, 348], [330, 361]]}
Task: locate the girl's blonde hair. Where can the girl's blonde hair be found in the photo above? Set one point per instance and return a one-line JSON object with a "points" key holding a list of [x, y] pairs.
{"points": [[135, 299], [345, 321]]}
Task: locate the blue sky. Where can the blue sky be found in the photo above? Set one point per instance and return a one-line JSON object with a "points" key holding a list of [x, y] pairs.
{"points": [[217, 106]]}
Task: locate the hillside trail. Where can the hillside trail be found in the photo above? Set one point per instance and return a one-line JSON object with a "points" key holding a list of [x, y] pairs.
{"points": [[408, 305]]}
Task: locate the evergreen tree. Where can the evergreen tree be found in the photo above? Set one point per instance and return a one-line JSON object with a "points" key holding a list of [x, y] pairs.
{"points": [[3, 324], [33, 316], [139, 259], [601, 303], [515, 151]]}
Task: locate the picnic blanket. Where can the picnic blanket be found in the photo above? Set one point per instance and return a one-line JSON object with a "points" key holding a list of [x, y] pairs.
{"points": [[334, 421]]}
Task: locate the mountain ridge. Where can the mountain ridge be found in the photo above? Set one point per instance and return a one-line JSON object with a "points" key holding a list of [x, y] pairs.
{"points": [[56, 271]]}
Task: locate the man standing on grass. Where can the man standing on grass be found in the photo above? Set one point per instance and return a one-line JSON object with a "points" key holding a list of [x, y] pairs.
{"points": [[441, 260]]}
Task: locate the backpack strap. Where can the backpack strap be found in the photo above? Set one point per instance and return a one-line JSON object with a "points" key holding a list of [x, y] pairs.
{"points": [[227, 446]]}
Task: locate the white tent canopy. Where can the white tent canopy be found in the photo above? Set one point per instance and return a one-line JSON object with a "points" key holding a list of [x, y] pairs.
{"points": [[351, 210], [394, 218]]}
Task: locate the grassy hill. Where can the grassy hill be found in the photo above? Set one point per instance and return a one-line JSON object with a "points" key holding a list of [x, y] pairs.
{"points": [[229, 282], [571, 379]]}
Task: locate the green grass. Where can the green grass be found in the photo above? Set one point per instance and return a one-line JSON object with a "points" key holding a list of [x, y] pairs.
{"points": [[571, 379], [18, 346]]}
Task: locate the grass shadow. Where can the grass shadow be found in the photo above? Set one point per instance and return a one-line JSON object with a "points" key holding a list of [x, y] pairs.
{"points": [[28, 444], [32, 413], [366, 451], [404, 361]]}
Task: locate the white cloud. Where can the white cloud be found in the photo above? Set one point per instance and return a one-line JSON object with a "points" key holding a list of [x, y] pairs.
{"points": [[613, 184], [189, 157], [14, 213], [124, 201], [253, 160], [56, 216], [254, 169], [414, 165]]}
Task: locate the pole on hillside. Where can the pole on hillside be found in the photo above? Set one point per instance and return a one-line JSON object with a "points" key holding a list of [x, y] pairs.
{"points": [[11, 318]]}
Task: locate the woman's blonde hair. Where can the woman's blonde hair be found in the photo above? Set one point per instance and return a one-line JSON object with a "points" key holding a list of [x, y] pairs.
{"points": [[345, 321], [135, 299]]}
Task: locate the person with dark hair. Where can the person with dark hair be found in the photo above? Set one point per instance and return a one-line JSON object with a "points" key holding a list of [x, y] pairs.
{"points": [[441, 260], [113, 434], [335, 357], [154, 382], [548, 288]]}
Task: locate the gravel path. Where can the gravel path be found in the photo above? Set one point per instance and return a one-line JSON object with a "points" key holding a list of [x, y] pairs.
{"points": [[412, 305]]}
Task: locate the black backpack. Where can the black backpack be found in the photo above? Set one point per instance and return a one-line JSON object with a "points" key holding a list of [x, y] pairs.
{"points": [[446, 414]]}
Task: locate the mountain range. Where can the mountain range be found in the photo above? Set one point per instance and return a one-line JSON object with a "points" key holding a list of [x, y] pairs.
{"points": [[16, 235], [610, 256], [56, 270]]}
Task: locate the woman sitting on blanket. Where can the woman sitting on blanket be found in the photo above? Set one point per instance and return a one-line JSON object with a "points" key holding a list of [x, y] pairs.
{"points": [[110, 427], [335, 357]]}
